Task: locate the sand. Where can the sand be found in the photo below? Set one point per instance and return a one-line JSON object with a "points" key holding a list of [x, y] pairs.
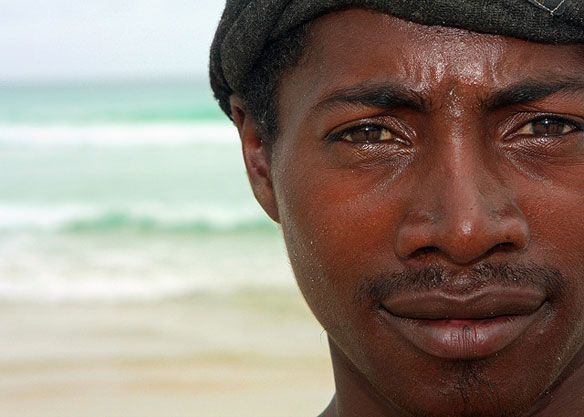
{"points": [[254, 353]]}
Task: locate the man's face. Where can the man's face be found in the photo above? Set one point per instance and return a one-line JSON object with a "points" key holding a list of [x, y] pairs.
{"points": [[430, 187]]}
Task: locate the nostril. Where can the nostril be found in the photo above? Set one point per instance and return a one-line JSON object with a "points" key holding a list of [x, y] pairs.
{"points": [[424, 251], [505, 246]]}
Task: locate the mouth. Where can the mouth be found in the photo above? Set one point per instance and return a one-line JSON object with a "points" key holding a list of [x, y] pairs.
{"points": [[466, 327]]}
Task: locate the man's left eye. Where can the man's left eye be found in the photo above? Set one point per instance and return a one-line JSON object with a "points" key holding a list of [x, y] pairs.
{"points": [[549, 126]]}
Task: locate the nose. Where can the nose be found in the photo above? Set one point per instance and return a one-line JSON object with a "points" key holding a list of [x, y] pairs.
{"points": [[462, 212]]}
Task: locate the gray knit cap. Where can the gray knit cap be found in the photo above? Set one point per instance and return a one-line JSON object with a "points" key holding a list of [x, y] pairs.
{"points": [[247, 26]]}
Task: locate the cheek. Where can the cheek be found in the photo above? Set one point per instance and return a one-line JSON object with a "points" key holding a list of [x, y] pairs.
{"points": [[338, 229], [556, 221]]}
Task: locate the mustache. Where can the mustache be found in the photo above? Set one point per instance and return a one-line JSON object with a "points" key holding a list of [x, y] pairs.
{"points": [[436, 278]]}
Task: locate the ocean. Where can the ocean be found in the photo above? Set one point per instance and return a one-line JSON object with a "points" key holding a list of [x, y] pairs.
{"points": [[124, 191]]}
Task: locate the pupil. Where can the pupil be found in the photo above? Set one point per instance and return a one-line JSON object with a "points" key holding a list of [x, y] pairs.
{"points": [[368, 134]]}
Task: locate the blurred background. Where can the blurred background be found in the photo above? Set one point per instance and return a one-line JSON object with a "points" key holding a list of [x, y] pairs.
{"points": [[138, 276]]}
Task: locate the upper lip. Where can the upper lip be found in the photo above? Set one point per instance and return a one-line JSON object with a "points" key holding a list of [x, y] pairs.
{"points": [[486, 303]]}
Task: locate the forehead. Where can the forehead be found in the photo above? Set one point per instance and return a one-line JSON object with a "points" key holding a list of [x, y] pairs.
{"points": [[352, 46]]}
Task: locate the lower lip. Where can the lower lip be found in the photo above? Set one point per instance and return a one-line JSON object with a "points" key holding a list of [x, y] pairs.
{"points": [[462, 339]]}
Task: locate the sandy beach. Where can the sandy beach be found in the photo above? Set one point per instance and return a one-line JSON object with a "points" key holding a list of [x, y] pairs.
{"points": [[252, 353]]}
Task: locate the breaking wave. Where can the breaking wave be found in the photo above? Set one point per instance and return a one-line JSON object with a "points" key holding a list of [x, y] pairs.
{"points": [[143, 219], [111, 134]]}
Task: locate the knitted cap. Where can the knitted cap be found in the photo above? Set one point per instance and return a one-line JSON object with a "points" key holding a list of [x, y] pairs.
{"points": [[247, 26]]}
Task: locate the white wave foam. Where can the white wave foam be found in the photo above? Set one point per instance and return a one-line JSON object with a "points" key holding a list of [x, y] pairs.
{"points": [[117, 134], [55, 268], [159, 217]]}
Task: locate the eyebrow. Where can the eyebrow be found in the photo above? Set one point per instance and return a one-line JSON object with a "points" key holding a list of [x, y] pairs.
{"points": [[381, 95], [389, 95], [532, 90]]}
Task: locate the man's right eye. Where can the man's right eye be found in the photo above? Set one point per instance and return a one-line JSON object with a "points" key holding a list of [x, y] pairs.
{"points": [[366, 134]]}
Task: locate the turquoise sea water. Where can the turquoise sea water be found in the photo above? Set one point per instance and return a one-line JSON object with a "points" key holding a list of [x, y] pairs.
{"points": [[126, 190]]}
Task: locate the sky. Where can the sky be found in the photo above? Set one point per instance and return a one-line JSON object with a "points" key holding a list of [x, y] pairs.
{"points": [[97, 39]]}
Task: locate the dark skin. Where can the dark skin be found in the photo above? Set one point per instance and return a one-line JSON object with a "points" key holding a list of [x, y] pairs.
{"points": [[431, 162]]}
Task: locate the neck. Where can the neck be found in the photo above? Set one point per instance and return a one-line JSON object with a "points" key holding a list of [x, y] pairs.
{"points": [[355, 396]]}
